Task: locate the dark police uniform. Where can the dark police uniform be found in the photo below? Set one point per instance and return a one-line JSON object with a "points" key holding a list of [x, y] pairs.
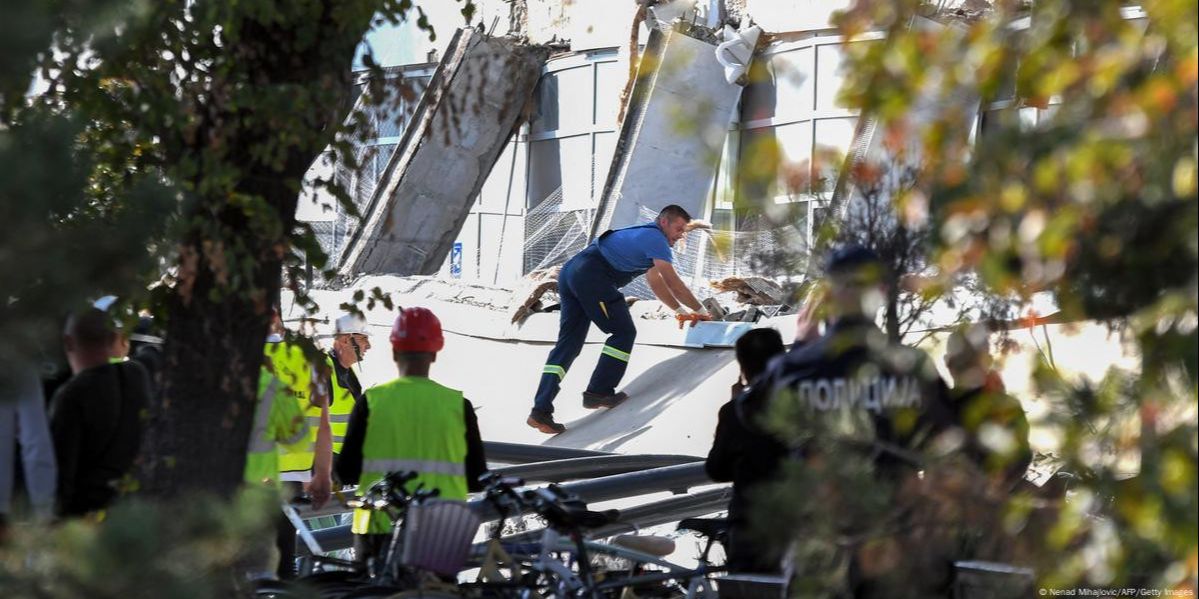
{"points": [[853, 390], [589, 289]]}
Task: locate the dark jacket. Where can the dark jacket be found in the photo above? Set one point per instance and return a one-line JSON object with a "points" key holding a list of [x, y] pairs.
{"points": [[853, 391], [96, 422], [345, 378], [745, 458], [892, 393]]}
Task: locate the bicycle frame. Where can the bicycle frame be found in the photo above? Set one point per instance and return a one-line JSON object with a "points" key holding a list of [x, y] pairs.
{"points": [[570, 582]]}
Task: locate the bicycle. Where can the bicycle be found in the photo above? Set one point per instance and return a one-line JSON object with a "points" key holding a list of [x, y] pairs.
{"points": [[376, 575], [560, 564]]}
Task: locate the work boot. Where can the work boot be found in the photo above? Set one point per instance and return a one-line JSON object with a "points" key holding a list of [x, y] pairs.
{"points": [[544, 422], [594, 401]]}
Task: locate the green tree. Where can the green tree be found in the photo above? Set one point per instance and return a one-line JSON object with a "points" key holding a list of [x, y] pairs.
{"points": [[1096, 203], [172, 137]]}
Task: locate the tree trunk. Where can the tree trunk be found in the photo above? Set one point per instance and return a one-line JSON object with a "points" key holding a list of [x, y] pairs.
{"points": [[231, 260], [200, 426], [891, 320]]}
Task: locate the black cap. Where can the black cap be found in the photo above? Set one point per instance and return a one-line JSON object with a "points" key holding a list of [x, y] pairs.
{"points": [[850, 258]]}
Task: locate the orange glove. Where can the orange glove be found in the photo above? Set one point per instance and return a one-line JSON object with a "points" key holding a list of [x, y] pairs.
{"points": [[693, 318]]}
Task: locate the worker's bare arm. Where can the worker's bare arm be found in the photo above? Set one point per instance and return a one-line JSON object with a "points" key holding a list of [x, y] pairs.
{"points": [[658, 285], [678, 289], [321, 485]]}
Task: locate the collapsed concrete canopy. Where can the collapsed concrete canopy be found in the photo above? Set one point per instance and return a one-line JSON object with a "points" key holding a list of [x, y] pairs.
{"points": [[676, 123], [462, 123]]}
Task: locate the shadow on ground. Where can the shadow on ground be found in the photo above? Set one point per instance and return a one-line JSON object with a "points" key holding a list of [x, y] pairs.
{"points": [[650, 394]]}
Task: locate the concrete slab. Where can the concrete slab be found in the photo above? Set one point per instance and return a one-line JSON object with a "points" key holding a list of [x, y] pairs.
{"points": [[673, 132], [460, 127]]}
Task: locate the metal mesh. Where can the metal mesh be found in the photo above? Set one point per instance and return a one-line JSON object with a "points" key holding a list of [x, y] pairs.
{"points": [[553, 235], [710, 255]]}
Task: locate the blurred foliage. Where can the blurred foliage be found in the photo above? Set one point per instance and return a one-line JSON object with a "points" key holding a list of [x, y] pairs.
{"points": [[195, 548], [156, 151], [1081, 183], [65, 238]]}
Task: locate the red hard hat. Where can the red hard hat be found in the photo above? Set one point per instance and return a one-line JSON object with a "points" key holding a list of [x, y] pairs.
{"points": [[417, 330]]}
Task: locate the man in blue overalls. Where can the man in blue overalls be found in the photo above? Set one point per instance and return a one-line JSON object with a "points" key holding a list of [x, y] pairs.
{"points": [[589, 287]]}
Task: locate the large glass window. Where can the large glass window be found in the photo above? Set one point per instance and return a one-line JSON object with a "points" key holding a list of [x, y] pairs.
{"points": [[565, 163], [792, 110], [572, 136], [829, 75], [794, 79], [832, 140], [565, 101]]}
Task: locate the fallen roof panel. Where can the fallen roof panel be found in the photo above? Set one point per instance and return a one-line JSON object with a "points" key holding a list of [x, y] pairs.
{"points": [[671, 138], [464, 119]]}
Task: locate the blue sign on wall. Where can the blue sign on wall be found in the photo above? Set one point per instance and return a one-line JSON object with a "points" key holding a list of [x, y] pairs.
{"points": [[456, 260]]}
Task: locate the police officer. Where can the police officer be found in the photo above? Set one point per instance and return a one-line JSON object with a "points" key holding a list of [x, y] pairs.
{"points": [[410, 424], [589, 289], [852, 393]]}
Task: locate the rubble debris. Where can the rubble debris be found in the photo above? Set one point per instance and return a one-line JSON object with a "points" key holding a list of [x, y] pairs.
{"points": [[756, 291], [650, 310], [779, 310], [532, 288], [714, 308], [736, 51]]}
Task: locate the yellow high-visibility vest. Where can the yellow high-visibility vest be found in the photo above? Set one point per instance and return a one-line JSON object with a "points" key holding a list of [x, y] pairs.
{"points": [[278, 421], [415, 424]]}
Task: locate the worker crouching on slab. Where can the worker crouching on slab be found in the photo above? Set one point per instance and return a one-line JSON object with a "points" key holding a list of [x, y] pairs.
{"points": [[589, 288], [410, 424]]}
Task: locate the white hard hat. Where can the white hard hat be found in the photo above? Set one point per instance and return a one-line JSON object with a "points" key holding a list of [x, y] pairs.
{"points": [[350, 324]]}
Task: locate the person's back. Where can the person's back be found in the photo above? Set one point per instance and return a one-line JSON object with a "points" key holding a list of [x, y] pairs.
{"points": [[633, 249], [416, 418], [884, 399], [95, 419], [746, 457], [857, 412]]}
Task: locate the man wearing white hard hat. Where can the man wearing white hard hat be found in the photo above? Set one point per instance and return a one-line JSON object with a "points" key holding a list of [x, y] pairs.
{"points": [[350, 343]]}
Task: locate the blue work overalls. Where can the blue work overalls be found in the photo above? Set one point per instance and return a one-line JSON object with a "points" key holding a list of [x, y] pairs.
{"points": [[589, 288]]}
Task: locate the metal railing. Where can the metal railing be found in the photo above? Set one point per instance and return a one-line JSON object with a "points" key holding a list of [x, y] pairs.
{"points": [[676, 478], [519, 453], [652, 514], [555, 471]]}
